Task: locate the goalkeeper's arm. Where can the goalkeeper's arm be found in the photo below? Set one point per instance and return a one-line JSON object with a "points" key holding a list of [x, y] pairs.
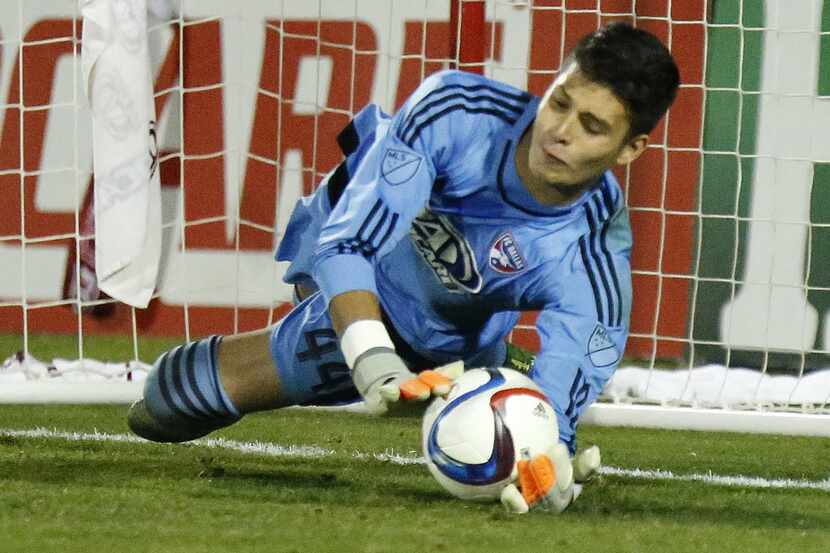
{"points": [[379, 374]]}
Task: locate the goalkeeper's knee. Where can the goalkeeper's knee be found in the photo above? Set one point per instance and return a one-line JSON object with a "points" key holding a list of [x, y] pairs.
{"points": [[183, 396]]}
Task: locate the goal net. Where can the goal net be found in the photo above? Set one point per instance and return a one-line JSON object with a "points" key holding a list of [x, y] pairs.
{"points": [[729, 204]]}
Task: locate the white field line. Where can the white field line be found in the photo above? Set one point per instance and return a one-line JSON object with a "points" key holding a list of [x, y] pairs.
{"points": [[412, 458]]}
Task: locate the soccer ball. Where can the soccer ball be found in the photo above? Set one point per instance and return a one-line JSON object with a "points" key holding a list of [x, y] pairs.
{"points": [[490, 419]]}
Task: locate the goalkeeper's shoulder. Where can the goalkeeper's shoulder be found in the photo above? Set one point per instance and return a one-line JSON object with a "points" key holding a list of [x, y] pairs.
{"points": [[455, 112], [466, 86]]}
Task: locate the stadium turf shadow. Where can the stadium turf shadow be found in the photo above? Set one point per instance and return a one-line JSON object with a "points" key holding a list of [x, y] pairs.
{"points": [[284, 479], [436, 496], [713, 505]]}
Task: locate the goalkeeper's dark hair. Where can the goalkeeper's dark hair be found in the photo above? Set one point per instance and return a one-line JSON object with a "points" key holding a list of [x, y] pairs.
{"points": [[636, 66]]}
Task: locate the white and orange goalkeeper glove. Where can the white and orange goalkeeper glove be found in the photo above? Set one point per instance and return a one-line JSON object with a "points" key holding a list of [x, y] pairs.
{"points": [[550, 481], [586, 464], [383, 379]]}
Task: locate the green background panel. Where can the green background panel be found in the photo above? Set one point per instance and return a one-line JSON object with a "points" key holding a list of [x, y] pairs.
{"points": [[720, 195], [718, 245], [729, 142], [818, 263], [824, 58], [726, 12], [721, 131], [724, 47], [750, 69]]}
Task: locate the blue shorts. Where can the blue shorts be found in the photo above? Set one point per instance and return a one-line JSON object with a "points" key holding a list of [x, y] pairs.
{"points": [[311, 368]]}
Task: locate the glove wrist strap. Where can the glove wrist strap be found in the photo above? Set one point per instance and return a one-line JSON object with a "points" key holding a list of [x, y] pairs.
{"points": [[361, 336]]}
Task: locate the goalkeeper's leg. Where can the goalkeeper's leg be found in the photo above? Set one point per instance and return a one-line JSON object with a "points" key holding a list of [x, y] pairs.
{"points": [[202, 386]]}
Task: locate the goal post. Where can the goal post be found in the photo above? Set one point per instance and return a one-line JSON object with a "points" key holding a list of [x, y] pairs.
{"points": [[728, 205], [467, 34]]}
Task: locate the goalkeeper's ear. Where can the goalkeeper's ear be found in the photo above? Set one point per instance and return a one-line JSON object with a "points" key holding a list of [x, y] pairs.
{"points": [[632, 149]]}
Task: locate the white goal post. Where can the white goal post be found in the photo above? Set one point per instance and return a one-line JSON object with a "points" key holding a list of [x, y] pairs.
{"points": [[729, 206]]}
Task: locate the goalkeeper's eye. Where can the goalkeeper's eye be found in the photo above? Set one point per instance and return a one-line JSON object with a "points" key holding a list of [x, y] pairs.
{"points": [[559, 104], [593, 125]]}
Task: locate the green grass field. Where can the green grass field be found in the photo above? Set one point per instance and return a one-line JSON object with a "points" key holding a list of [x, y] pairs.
{"points": [[94, 493]]}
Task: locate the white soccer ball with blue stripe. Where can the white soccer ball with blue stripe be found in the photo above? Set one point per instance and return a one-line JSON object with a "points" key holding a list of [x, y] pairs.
{"points": [[474, 436]]}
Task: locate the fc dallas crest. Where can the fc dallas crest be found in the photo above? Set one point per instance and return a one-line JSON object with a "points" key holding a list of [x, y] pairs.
{"points": [[504, 255]]}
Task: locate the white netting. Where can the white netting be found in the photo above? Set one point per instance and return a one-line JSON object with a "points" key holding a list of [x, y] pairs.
{"points": [[727, 205]]}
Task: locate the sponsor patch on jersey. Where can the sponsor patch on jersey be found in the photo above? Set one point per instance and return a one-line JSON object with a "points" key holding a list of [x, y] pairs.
{"points": [[399, 166], [601, 348], [447, 252], [505, 256]]}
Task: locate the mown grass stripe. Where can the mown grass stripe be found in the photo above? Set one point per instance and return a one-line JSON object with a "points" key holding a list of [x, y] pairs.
{"points": [[720, 480], [411, 458]]}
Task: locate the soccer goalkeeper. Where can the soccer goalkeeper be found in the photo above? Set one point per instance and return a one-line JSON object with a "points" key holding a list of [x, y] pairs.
{"points": [[476, 201]]}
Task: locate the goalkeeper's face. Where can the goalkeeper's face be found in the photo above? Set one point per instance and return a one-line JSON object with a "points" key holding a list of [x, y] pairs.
{"points": [[581, 129]]}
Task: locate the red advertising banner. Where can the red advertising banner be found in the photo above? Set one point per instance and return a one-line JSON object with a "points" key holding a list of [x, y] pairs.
{"points": [[661, 187]]}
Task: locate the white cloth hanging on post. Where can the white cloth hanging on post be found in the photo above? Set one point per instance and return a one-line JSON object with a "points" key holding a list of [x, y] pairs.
{"points": [[118, 82]]}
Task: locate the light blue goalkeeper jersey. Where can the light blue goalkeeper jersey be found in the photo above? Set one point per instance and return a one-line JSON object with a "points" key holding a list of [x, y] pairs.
{"points": [[428, 212]]}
